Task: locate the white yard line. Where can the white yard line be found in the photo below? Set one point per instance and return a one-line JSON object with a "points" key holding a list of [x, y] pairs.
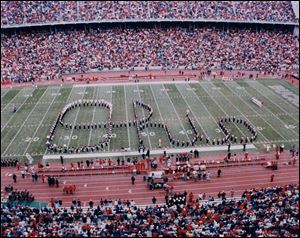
{"points": [[148, 136], [21, 127], [281, 109], [256, 113], [240, 111], [176, 112], [70, 138], [126, 112], [224, 111], [161, 117], [67, 101], [2, 95], [191, 111], [211, 116], [40, 123], [23, 89], [278, 96], [140, 83], [172, 119], [90, 134], [2, 128], [111, 95]]}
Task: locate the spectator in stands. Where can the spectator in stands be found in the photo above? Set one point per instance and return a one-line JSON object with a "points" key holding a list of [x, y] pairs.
{"points": [[248, 216], [49, 12], [57, 56]]}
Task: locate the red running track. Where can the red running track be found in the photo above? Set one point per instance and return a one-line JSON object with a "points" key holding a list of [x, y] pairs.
{"points": [[119, 186]]}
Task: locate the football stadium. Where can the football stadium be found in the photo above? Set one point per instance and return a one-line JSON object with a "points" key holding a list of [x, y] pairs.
{"points": [[149, 118]]}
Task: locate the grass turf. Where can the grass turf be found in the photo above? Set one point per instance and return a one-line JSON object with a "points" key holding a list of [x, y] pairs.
{"points": [[25, 131]]}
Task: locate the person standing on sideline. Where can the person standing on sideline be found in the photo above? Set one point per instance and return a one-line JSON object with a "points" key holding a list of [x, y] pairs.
{"points": [[132, 180], [43, 178], [154, 200], [61, 159], [219, 173], [56, 182], [272, 177], [23, 174]]}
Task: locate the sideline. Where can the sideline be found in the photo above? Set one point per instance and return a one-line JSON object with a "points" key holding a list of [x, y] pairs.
{"points": [[152, 152], [134, 83]]}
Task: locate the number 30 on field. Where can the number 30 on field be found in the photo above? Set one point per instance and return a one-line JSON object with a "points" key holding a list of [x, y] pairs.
{"points": [[30, 139]]}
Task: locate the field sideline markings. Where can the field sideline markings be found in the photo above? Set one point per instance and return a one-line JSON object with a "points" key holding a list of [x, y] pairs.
{"points": [[161, 117], [126, 112], [132, 83], [257, 113], [176, 113], [21, 127], [150, 145], [136, 153], [90, 132], [43, 118], [191, 111], [258, 142]]}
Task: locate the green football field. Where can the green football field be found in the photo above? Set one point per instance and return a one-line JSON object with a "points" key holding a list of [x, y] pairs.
{"points": [[25, 131]]}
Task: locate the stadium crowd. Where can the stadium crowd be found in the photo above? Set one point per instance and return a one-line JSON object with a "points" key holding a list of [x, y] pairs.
{"points": [[35, 56], [271, 211], [19, 196], [20, 12]]}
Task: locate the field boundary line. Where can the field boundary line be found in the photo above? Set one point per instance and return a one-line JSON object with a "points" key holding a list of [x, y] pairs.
{"points": [[24, 122], [132, 83], [136, 153]]}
